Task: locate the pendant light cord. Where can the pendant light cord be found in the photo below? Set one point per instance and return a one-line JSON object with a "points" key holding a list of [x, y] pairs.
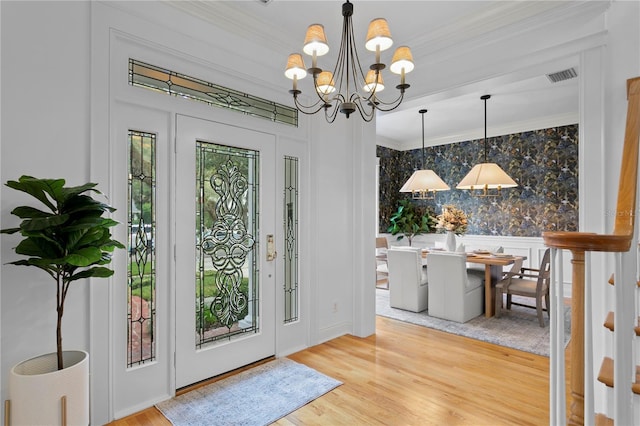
{"points": [[422, 111], [484, 98]]}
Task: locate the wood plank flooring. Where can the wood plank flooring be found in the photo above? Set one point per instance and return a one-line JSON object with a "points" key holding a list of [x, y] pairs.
{"points": [[411, 375]]}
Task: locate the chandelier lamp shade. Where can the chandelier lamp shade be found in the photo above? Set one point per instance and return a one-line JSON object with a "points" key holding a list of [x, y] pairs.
{"points": [[348, 88], [423, 183], [486, 179]]}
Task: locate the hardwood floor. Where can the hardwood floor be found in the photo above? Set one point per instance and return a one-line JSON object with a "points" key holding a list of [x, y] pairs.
{"points": [[412, 375]]}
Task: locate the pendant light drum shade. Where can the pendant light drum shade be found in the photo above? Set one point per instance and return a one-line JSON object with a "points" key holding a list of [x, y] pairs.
{"points": [[378, 35], [325, 83], [424, 181], [371, 85], [402, 61], [315, 41], [486, 176], [295, 67]]}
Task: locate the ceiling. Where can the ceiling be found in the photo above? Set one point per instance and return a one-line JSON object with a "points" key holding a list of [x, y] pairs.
{"points": [[520, 100]]}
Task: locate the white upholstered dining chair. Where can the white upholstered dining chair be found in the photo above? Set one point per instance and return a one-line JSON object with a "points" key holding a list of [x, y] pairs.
{"points": [[408, 287], [453, 294]]}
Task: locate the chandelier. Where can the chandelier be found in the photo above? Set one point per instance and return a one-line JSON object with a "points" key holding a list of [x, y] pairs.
{"points": [[355, 90], [486, 176], [423, 184]]}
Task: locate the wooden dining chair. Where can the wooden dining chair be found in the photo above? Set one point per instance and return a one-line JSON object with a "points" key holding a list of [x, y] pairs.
{"points": [[527, 282], [382, 267]]}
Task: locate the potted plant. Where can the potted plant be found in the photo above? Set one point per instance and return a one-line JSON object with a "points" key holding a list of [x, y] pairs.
{"points": [[408, 221], [68, 238]]}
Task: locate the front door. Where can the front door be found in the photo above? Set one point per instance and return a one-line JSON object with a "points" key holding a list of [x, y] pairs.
{"points": [[225, 210]]}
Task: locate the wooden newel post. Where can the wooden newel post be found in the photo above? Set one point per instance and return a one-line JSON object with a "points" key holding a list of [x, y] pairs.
{"points": [[576, 409]]}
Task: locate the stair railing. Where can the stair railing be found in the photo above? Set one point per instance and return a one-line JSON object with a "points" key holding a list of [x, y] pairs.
{"points": [[580, 244]]}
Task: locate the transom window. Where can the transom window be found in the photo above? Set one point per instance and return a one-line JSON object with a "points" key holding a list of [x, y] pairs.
{"points": [[175, 84]]}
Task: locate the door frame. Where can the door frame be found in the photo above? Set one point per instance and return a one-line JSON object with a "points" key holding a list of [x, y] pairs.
{"points": [[116, 37]]}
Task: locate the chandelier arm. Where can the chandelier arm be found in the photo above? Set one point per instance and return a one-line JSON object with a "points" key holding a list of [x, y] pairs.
{"points": [[331, 117], [367, 113], [389, 106], [391, 103], [367, 117], [311, 109], [340, 67], [356, 66], [315, 89], [359, 82], [349, 47]]}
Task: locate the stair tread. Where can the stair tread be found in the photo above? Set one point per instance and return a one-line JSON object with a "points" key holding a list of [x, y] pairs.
{"points": [[606, 375], [612, 281], [609, 323], [602, 420]]}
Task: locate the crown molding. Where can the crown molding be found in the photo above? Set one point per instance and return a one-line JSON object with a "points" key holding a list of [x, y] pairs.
{"points": [[227, 15], [500, 22]]}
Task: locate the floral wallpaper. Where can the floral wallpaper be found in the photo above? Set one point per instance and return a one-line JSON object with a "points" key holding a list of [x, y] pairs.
{"points": [[544, 163]]}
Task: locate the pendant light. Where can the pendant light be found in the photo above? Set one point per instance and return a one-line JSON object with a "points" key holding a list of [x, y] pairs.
{"points": [[423, 184], [486, 176]]}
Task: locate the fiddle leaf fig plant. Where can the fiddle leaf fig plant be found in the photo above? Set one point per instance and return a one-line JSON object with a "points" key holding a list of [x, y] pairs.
{"points": [[408, 221], [66, 236]]}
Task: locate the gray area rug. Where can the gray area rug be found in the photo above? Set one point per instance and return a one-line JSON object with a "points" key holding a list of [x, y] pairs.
{"points": [[517, 328], [258, 396]]}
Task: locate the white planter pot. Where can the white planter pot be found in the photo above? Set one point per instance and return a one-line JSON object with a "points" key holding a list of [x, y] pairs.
{"points": [[36, 388]]}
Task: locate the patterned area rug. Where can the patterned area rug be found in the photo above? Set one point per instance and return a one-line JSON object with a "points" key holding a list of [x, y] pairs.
{"points": [[517, 328], [258, 396]]}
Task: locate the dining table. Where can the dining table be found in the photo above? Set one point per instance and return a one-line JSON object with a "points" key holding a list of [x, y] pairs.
{"points": [[493, 264]]}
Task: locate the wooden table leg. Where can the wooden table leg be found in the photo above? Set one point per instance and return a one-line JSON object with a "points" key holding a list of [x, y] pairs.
{"points": [[492, 273], [489, 296]]}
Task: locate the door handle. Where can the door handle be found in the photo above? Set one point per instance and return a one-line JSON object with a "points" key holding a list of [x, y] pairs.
{"points": [[271, 248]]}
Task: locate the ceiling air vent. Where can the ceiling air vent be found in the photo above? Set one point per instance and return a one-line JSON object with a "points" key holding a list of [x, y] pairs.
{"points": [[562, 75]]}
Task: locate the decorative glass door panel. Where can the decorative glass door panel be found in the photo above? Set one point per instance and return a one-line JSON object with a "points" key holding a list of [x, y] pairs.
{"points": [[141, 270], [225, 291], [227, 219], [290, 239]]}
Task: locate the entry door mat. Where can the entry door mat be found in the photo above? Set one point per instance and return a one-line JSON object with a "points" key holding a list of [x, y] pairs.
{"points": [[258, 396]]}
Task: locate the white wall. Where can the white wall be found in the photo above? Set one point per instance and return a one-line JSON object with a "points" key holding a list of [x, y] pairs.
{"points": [[45, 133], [342, 156]]}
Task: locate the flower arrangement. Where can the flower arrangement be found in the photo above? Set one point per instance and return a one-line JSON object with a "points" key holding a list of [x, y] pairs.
{"points": [[452, 219]]}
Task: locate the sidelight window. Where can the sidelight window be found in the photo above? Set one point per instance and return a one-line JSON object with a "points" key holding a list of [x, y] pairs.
{"points": [[141, 248]]}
